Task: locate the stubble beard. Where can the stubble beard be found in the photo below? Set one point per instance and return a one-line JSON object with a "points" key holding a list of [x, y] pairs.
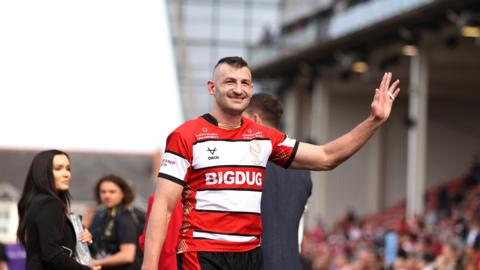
{"points": [[234, 109]]}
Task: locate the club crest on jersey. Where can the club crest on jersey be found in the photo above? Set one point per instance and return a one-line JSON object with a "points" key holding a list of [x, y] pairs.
{"points": [[256, 151], [212, 152]]}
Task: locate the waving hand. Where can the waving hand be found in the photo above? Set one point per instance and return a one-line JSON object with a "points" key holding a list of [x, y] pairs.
{"points": [[385, 94]]}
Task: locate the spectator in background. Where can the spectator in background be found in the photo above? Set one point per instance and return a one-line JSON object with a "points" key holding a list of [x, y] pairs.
{"points": [[449, 259], [3, 257], [114, 227], [285, 194], [267, 35], [472, 238], [427, 262], [42, 210]]}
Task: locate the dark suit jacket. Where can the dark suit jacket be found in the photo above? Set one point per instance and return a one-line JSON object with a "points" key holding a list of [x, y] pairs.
{"points": [[285, 193], [50, 236]]}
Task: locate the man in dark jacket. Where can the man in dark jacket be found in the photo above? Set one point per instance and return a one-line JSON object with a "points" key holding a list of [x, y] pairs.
{"points": [[285, 194]]}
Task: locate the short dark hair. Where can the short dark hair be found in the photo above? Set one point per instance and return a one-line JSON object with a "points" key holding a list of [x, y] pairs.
{"points": [[234, 61], [128, 193], [268, 107]]}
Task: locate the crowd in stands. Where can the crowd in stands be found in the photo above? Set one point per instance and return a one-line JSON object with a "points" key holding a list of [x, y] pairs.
{"points": [[445, 237]]}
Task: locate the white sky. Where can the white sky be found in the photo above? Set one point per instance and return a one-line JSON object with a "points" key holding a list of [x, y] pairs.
{"points": [[92, 75]]}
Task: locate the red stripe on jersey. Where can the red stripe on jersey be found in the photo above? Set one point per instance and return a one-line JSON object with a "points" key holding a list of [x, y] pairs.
{"points": [[228, 223], [223, 246], [224, 180]]}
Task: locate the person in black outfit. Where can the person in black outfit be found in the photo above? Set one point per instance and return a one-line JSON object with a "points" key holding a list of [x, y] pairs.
{"points": [[44, 229], [114, 227], [285, 194], [3, 257]]}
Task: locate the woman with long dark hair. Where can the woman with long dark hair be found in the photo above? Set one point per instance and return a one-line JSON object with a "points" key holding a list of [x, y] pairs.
{"points": [[44, 229]]}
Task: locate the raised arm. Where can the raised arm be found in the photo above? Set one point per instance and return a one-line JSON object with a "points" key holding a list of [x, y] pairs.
{"points": [[331, 154], [167, 194]]}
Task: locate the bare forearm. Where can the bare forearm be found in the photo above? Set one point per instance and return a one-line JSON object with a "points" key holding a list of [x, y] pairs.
{"points": [[342, 148], [167, 194], [119, 258], [332, 154], [156, 231]]}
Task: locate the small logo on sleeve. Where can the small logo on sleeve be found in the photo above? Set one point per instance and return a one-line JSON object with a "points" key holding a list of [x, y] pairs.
{"points": [[166, 162]]}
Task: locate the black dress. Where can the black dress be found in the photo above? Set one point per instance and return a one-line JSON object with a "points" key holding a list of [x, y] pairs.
{"points": [[50, 236]]}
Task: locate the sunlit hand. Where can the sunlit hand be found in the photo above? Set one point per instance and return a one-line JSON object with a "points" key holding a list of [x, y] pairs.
{"points": [[95, 266], [86, 237], [385, 94]]}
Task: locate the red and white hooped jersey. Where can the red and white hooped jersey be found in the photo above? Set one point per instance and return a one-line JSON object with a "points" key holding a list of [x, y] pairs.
{"points": [[222, 172]]}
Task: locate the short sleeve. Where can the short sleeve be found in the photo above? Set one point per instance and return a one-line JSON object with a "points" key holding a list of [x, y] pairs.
{"points": [[176, 160], [127, 229], [283, 149]]}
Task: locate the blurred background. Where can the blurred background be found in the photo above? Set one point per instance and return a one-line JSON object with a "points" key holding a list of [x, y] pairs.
{"points": [[107, 81]]}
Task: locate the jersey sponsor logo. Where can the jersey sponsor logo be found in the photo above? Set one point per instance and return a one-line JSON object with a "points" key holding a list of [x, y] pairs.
{"points": [[234, 178], [212, 152]]}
